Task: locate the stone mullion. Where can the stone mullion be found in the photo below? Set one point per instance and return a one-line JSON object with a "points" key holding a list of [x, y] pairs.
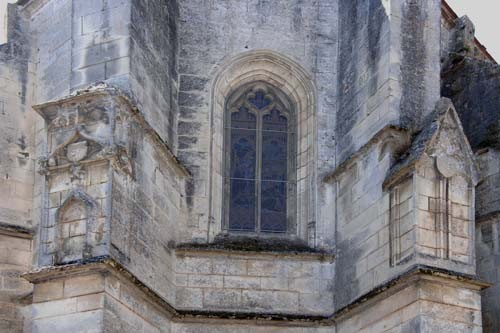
{"points": [[258, 170]]}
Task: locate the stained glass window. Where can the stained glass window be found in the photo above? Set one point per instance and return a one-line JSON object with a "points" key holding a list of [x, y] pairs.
{"points": [[260, 161]]}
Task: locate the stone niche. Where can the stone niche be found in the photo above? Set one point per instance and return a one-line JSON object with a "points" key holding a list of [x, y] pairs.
{"points": [[79, 231], [432, 197], [86, 138]]}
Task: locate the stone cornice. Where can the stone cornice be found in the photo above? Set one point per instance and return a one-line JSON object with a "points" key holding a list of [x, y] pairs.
{"points": [[15, 231], [210, 252], [414, 274], [380, 136], [49, 111], [107, 265]]}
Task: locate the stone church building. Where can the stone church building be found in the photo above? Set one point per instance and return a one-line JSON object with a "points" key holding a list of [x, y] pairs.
{"points": [[247, 166]]}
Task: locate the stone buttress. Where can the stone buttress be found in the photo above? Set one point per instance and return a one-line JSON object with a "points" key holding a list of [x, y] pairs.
{"points": [[112, 187]]}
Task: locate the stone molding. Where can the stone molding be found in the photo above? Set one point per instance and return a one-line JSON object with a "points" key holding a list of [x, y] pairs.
{"points": [[107, 265], [288, 76], [16, 231], [391, 139], [413, 275], [444, 120], [214, 252], [51, 112]]}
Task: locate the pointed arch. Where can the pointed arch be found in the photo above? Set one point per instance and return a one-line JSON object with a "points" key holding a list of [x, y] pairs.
{"points": [[292, 80]]}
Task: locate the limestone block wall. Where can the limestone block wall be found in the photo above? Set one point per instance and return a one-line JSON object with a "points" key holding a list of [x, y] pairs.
{"points": [[438, 197], [488, 236], [99, 298], [110, 184], [473, 89], [154, 53], [95, 302], [79, 43], [364, 69], [123, 42], [392, 215], [253, 282], [75, 228], [436, 215], [453, 240], [235, 328], [17, 162], [16, 249], [62, 305], [388, 75], [17, 155], [213, 36], [388, 68], [149, 215], [428, 305], [487, 198], [363, 240]]}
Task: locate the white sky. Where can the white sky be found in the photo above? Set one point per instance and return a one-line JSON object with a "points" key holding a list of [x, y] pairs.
{"points": [[485, 15]]}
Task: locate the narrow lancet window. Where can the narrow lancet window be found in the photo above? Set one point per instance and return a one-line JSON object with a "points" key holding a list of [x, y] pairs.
{"points": [[260, 161]]}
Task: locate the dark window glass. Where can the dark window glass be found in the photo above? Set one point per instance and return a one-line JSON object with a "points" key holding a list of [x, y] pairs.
{"points": [[260, 157], [273, 206], [243, 154], [242, 209]]}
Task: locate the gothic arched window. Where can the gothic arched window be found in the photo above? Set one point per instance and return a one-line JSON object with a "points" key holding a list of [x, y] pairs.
{"points": [[260, 162]]}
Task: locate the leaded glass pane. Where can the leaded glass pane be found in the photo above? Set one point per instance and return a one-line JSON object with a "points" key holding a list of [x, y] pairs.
{"points": [[243, 154], [273, 206], [242, 205], [274, 156], [260, 162]]}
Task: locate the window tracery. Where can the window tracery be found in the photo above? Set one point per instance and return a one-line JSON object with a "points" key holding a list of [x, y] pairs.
{"points": [[259, 161]]}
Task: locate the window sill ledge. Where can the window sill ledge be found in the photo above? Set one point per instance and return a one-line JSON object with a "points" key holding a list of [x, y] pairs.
{"points": [[255, 246]]}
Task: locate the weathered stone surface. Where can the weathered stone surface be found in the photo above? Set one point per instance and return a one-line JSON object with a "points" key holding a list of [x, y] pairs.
{"points": [[473, 87], [126, 206]]}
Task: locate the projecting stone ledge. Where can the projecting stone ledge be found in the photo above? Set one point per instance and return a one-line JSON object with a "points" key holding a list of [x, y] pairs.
{"points": [[237, 244], [101, 292]]}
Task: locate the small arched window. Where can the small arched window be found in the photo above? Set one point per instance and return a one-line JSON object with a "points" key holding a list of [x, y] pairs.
{"points": [[260, 162]]}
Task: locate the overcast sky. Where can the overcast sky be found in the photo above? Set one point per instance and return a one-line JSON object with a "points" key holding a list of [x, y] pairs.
{"points": [[484, 14]]}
